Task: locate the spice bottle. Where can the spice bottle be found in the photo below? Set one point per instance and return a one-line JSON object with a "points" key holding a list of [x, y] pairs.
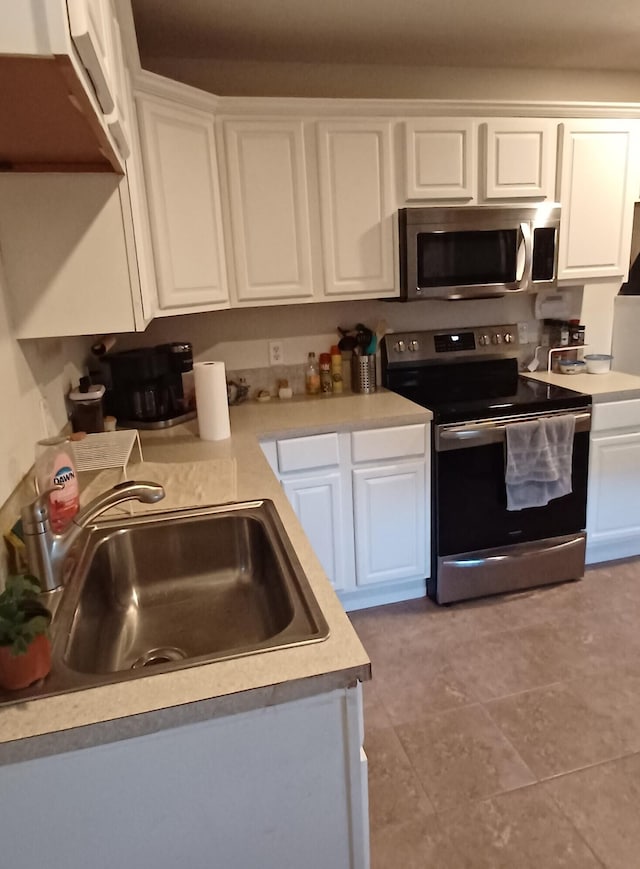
{"points": [[312, 375], [336, 369], [326, 383]]}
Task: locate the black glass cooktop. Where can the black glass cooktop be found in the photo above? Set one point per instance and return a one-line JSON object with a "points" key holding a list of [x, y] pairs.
{"points": [[483, 389]]}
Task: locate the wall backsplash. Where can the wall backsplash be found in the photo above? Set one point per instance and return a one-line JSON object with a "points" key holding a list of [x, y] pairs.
{"points": [[240, 337], [36, 376]]}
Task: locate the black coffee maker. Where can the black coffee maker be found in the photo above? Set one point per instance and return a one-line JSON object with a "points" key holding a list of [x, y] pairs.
{"points": [[145, 387]]}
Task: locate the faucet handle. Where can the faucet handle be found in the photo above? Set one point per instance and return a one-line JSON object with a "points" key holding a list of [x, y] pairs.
{"points": [[35, 516]]}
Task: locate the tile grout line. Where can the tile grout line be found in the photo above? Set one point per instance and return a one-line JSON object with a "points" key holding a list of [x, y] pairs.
{"points": [[597, 857]]}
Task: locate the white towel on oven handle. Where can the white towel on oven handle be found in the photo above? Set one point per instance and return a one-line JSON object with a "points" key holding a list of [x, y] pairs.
{"points": [[539, 456]]}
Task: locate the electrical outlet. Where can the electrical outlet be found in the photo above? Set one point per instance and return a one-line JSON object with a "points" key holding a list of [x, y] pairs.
{"points": [[523, 333], [276, 353]]}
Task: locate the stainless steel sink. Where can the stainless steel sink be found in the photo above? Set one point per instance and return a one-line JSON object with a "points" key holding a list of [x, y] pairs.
{"points": [[175, 589]]}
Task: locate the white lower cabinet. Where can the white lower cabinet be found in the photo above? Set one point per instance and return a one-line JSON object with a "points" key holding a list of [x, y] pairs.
{"points": [[389, 506], [318, 501], [281, 786], [363, 500], [613, 502]]}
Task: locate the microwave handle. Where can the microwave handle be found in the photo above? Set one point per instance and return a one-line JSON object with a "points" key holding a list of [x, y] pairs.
{"points": [[522, 275]]}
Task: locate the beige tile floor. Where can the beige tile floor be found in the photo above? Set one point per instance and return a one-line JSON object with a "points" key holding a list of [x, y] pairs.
{"points": [[505, 733]]}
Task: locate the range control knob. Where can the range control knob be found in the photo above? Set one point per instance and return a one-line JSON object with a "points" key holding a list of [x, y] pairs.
{"points": [[483, 340], [400, 347], [496, 339], [413, 345], [508, 338]]}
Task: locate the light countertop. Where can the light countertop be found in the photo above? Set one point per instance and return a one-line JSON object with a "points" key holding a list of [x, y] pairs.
{"points": [[230, 470], [612, 386]]}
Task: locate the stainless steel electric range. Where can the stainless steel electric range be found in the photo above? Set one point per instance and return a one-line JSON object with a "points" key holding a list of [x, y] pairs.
{"points": [[469, 379]]}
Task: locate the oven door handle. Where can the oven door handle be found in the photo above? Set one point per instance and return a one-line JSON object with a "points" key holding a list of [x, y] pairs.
{"points": [[478, 434]]}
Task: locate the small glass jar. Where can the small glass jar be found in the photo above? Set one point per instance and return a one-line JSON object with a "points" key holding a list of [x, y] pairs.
{"points": [[87, 413]]}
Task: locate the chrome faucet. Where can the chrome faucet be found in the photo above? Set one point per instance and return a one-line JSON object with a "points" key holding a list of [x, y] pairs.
{"points": [[47, 550]]}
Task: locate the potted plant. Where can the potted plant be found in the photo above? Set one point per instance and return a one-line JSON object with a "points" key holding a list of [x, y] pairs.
{"points": [[25, 650]]}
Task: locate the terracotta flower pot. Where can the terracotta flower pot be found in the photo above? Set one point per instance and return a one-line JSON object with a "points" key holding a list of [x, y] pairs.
{"points": [[20, 671]]}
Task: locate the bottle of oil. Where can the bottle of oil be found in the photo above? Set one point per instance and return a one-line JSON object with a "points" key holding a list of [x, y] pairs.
{"points": [[312, 375], [326, 382]]}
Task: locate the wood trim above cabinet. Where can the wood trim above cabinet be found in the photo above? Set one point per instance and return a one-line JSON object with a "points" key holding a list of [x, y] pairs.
{"points": [[353, 108]]}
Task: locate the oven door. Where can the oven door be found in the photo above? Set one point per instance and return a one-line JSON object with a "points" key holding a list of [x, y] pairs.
{"points": [[470, 505]]}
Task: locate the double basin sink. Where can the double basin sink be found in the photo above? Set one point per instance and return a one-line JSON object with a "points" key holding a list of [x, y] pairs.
{"points": [[161, 592]]}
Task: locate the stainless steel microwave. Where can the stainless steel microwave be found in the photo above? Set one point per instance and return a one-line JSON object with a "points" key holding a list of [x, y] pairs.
{"points": [[477, 252]]}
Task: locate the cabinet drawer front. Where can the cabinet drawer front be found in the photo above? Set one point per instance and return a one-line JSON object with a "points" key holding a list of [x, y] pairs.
{"points": [[388, 443], [615, 414], [301, 454]]}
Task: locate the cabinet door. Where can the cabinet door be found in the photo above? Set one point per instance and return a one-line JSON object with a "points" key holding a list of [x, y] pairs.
{"points": [[90, 23], [390, 514], [520, 158], [441, 159], [119, 121], [269, 210], [82, 281], [613, 502], [318, 504], [599, 183], [356, 208], [181, 173]]}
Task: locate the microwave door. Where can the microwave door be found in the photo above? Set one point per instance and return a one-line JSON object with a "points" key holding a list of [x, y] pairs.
{"points": [[471, 264]]}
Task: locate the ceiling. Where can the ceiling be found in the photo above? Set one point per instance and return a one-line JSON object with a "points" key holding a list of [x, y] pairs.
{"points": [[548, 34]]}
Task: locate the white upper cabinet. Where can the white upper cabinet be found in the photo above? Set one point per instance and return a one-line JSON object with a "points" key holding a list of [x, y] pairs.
{"points": [[441, 159], [266, 173], [84, 278], [181, 174], [599, 184], [520, 158], [447, 160], [356, 208]]}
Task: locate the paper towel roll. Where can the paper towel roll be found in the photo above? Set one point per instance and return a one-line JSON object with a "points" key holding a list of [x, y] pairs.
{"points": [[211, 400]]}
